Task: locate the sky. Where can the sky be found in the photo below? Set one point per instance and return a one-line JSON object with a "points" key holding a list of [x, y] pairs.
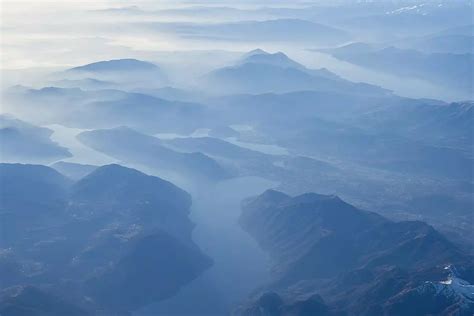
{"points": [[63, 32], [42, 36]]}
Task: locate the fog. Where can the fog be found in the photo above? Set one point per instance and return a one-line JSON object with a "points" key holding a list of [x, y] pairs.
{"points": [[81, 32], [66, 136], [252, 158]]}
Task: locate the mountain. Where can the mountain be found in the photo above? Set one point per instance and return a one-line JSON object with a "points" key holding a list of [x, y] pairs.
{"points": [[52, 95], [131, 146], [116, 65], [404, 19], [238, 160], [375, 148], [360, 263], [174, 94], [274, 30], [268, 219], [107, 108], [27, 143], [369, 296], [130, 73], [393, 133], [85, 84], [42, 178], [271, 303], [94, 243], [215, 147], [276, 59], [261, 72], [168, 265], [272, 108], [280, 167], [281, 60], [29, 300], [441, 124], [440, 43], [117, 188], [49, 103], [74, 171], [46, 190], [144, 112], [441, 68]]}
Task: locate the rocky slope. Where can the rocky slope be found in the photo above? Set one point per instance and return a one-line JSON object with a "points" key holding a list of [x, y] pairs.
{"points": [[358, 262]]}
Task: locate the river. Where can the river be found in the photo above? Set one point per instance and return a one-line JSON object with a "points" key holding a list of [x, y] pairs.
{"points": [[240, 266]]}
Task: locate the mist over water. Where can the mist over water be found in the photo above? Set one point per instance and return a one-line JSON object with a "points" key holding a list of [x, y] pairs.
{"points": [[66, 137], [408, 87], [240, 265]]}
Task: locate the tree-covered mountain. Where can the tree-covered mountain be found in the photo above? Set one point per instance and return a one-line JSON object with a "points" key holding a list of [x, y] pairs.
{"points": [[359, 262], [95, 243]]}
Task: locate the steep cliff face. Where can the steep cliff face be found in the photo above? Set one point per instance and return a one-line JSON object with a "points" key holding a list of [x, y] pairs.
{"points": [[120, 239]]}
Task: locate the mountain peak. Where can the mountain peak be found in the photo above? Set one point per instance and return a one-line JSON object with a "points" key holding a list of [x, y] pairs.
{"points": [[274, 195], [278, 59], [112, 168], [257, 51], [117, 185], [310, 197], [126, 64]]}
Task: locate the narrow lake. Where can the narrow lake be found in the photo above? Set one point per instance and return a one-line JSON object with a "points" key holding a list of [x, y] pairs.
{"points": [[239, 264]]}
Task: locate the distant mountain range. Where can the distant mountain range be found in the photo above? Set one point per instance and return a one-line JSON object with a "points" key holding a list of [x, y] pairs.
{"points": [[84, 84], [107, 108], [143, 139], [391, 21], [441, 124], [271, 30], [442, 42], [215, 147], [358, 262], [133, 147], [79, 247], [261, 72], [116, 65], [448, 69], [129, 73], [399, 134], [27, 143]]}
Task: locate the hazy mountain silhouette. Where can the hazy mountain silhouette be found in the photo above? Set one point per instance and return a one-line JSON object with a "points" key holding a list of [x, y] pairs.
{"points": [[117, 65], [24, 142], [260, 72], [129, 72], [108, 108], [442, 68], [275, 30], [131, 146], [113, 233]]}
